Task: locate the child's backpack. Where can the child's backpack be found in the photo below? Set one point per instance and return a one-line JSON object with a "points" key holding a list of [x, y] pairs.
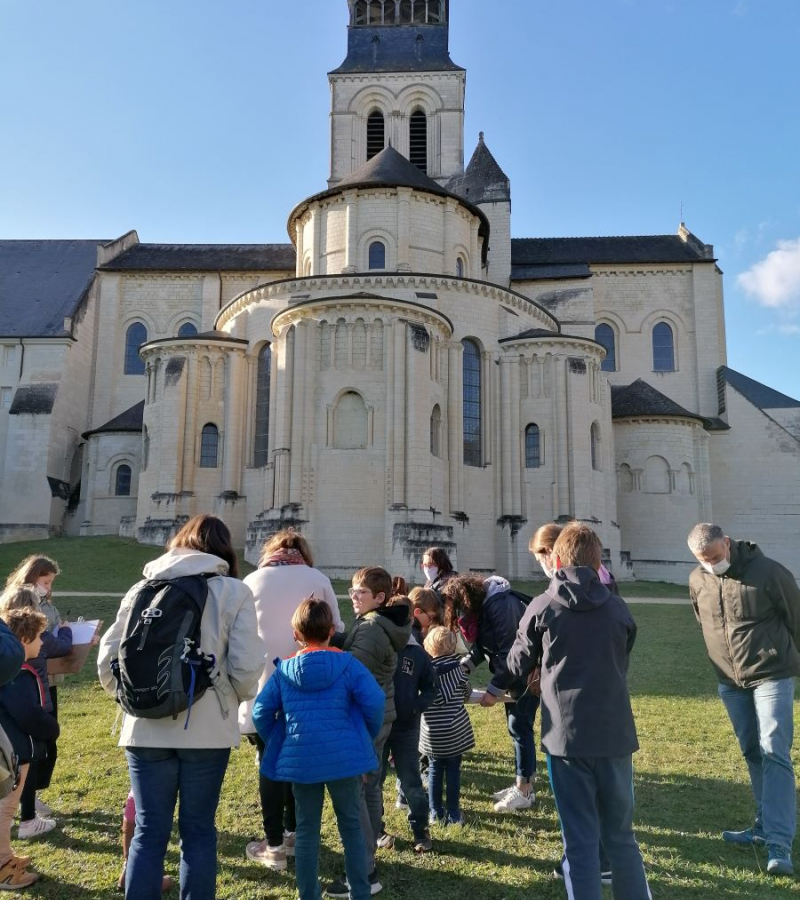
{"points": [[9, 766], [161, 669]]}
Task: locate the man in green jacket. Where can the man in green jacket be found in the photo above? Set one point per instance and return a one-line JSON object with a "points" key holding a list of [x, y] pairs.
{"points": [[749, 609]]}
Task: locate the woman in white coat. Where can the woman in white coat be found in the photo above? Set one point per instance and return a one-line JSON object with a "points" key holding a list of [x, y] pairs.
{"points": [[284, 578], [166, 760]]}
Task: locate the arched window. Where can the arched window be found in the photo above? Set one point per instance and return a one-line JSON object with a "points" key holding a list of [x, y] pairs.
{"points": [[209, 446], [135, 336], [459, 267], [533, 450], [376, 134], [188, 329], [595, 446], [350, 422], [656, 475], [418, 140], [604, 334], [405, 12], [263, 374], [361, 13], [472, 404], [375, 12], [377, 255], [122, 481], [624, 479], [434, 12], [663, 348], [436, 431]]}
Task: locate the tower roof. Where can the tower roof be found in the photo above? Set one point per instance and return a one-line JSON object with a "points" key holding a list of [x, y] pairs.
{"points": [[483, 181], [642, 399], [391, 169]]}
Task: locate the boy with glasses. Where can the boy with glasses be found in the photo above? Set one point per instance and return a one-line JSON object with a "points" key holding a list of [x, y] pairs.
{"points": [[375, 638]]}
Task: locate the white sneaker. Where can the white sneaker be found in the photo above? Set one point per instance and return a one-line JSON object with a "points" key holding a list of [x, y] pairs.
{"points": [[498, 795], [35, 827], [514, 800], [272, 857]]}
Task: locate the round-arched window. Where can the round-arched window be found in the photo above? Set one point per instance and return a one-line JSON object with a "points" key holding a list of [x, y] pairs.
{"points": [[135, 336], [122, 481], [377, 255], [604, 335], [188, 329], [663, 348]]}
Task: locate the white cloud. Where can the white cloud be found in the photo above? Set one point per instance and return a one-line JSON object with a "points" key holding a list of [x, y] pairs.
{"points": [[775, 280]]}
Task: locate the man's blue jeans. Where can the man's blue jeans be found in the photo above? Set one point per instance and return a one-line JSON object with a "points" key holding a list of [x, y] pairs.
{"points": [[158, 778], [519, 719], [346, 797], [762, 718]]}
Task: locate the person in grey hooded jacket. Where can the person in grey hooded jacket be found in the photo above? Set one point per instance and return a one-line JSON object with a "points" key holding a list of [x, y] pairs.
{"points": [[581, 636]]}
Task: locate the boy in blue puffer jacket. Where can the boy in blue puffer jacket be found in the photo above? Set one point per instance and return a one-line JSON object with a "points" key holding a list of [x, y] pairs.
{"points": [[318, 716]]}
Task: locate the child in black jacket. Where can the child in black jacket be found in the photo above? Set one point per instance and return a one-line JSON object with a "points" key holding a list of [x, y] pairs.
{"points": [[415, 687], [29, 728]]}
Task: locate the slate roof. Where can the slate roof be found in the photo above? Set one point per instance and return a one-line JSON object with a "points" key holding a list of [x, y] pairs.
{"points": [[551, 273], [758, 394], [483, 181], [130, 420], [655, 248], [204, 258], [642, 399], [41, 283], [397, 48], [543, 333]]}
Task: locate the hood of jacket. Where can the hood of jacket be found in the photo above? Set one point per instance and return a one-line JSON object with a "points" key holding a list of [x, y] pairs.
{"points": [[742, 554], [181, 562], [394, 621], [578, 588], [496, 584], [315, 670]]}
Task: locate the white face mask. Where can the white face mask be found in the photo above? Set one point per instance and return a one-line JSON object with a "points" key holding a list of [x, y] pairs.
{"points": [[719, 568], [431, 572], [547, 570], [41, 591]]}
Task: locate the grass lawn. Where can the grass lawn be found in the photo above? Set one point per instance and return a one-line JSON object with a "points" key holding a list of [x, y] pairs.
{"points": [[690, 784]]}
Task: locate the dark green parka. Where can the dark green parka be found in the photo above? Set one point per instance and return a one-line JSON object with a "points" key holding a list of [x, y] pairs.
{"points": [[750, 617]]}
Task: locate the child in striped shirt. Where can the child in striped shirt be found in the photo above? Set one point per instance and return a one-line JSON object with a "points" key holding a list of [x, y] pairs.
{"points": [[446, 732]]}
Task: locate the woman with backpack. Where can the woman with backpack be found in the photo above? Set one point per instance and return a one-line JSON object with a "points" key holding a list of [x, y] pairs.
{"points": [[487, 612], [179, 751]]}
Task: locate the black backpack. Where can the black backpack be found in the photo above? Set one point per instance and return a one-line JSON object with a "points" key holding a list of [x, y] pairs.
{"points": [[161, 669]]}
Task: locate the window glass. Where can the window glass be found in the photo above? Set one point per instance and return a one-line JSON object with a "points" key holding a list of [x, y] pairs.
{"points": [[377, 255], [209, 447], [472, 404], [604, 334], [533, 456], [188, 329], [135, 336], [663, 348], [263, 375], [122, 481]]}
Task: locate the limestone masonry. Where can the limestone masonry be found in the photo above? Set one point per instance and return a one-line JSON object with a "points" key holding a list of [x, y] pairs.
{"points": [[404, 373]]}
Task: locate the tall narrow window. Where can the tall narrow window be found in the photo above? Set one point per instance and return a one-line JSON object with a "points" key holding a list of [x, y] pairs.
{"points": [[377, 255], [604, 334], [459, 267], [361, 12], [209, 447], [418, 140], [263, 372], [472, 404], [434, 12], [188, 329], [135, 336], [594, 438], [405, 12], [376, 134], [663, 348], [533, 449], [122, 481], [436, 431]]}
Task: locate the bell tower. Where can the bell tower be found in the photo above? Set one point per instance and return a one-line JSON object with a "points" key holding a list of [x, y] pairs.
{"points": [[398, 86]]}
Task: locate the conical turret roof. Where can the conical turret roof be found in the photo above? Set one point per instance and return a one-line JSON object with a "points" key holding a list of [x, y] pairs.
{"points": [[483, 181]]}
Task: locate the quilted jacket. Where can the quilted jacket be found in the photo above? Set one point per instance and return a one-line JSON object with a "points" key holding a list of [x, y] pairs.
{"points": [[318, 716]]}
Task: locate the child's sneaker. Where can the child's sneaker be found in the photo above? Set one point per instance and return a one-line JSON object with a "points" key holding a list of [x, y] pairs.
{"points": [[514, 800], [423, 842], [13, 876], [498, 795], [289, 841], [272, 857], [35, 827], [340, 887], [434, 818], [43, 809], [385, 840]]}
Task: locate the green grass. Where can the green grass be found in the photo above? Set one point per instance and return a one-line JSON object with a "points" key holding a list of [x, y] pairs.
{"points": [[690, 783]]}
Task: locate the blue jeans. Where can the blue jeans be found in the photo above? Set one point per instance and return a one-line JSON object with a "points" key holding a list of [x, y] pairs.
{"points": [[158, 778], [441, 769], [346, 797], [403, 743], [762, 718], [519, 719], [594, 800]]}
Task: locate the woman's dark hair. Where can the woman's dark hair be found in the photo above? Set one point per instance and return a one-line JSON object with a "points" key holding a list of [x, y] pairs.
{"points": [[462, 594], [399, 586], [208, 534], [438, 556]]}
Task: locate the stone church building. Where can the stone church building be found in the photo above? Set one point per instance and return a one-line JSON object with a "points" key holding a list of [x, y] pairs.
{"points": [[403, 372]]}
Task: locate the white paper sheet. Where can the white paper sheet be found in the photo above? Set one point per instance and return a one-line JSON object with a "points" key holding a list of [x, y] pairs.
{"points": [[83, 632]]}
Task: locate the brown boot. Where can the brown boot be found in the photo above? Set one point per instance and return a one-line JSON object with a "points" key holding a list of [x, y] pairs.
{"points": [[128, 829]]}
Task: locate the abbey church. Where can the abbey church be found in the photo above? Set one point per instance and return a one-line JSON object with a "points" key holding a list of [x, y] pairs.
{"points": [[401, 373]]}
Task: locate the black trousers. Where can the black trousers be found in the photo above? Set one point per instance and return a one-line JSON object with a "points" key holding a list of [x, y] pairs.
{"points": [[39, 773]]}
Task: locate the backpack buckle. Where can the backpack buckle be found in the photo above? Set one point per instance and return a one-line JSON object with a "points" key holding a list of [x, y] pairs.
{"points": [[152, 612]]}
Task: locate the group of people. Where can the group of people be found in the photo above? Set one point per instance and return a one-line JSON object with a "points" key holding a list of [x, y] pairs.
{"points": [[333, 708]]}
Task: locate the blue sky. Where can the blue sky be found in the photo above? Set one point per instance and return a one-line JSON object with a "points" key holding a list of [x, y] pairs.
{"points": [[207, 122]]}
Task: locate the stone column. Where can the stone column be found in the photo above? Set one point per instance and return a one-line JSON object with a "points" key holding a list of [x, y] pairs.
{"points": [[316, 250], [187, 479], [562, 463], [455, 423], [284, 402], [300, 250], [234, 415], [474, 250], [351, 235], [449, 261], [400, 340], [404, 230]]}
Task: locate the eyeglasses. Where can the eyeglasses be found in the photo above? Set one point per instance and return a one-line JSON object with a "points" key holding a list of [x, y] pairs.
{"points": [[357, 592]]}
